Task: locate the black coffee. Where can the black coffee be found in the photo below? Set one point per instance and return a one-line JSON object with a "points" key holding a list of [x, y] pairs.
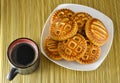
{"points": [[23, 54]]}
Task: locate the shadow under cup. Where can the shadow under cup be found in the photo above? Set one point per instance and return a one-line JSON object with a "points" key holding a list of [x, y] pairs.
{"points": [[23, 55]]}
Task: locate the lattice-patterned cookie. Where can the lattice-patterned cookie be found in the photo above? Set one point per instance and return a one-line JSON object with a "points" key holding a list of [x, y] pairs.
{"points": [[72, 48], [61, 13], [92, 54], [81, 19], [51, 48], [63, 29], [96, 31]]}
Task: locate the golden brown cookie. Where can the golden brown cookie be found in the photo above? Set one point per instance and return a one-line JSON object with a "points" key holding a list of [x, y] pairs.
{"points": [[92, 54], [96, 31], [81, 19], [63, 29], [61, 13], [50, 47], [72, 48]]}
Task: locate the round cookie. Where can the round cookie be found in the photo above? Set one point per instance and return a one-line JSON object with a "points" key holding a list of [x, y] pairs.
{"points": [[51, 48], [61, 13], [72, 48], [96, 31], [92, 54], [63, 29], [81, 19]]}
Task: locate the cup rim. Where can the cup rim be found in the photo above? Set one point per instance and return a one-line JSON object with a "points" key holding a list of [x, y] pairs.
{"points": [[33, 62]]}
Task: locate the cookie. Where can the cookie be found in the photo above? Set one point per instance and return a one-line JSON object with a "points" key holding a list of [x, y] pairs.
{"points": [[96, 31], [61, 13], [51, 48], [63, 29], [72, 48], [92, 54], [81, 19]]}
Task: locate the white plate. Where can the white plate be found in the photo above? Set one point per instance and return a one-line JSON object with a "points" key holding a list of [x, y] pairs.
{"points": [[104, 49]]}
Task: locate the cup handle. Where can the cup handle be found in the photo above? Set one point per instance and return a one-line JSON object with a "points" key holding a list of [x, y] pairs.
{"points": [[12, 74]]}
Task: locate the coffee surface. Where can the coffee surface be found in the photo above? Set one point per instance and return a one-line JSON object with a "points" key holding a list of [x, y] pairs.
{"points": [[23, 54]]}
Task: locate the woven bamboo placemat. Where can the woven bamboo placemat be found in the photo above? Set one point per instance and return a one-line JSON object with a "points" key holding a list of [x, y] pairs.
{"points": [[25, 18]]}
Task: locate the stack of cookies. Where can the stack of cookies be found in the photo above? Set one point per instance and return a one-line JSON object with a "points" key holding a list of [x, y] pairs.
{"points": [[75, 37]]}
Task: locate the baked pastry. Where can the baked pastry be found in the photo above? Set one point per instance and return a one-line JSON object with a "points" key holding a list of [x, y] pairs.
{"points": [[96, 31], [92, 54], [61, 13], [50, 47], [72, 48], [63, 29], [81, 19]]}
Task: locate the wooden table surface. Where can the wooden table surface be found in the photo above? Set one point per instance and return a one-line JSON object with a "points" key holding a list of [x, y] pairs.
{"points": [[26, 18]]}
